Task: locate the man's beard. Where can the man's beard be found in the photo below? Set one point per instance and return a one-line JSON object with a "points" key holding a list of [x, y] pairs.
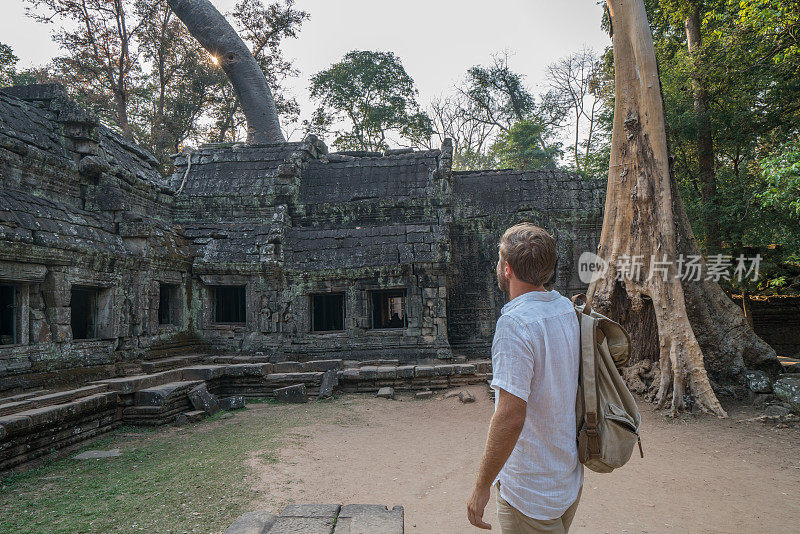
{"points": [[502, 281]]}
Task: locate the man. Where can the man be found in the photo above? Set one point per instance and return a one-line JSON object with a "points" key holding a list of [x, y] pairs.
{"points": [[531, 454]]}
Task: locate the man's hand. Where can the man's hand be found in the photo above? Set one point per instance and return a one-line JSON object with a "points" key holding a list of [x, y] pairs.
{"points": [[476, 505], [507, 423]]}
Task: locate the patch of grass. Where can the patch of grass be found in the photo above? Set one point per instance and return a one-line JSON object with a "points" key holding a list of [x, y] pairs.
{"points": [[192, 479]]}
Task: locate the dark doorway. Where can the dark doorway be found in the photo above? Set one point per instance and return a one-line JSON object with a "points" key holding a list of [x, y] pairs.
{"points": [[327, 312], [83, 312], [389, 309], [8, 315], [229, 304], [166, 303]]}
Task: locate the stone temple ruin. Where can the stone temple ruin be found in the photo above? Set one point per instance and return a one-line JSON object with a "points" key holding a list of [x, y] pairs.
{"points": [[260, 255]]}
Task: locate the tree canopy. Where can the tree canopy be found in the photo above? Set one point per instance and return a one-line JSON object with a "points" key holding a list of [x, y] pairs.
{"points": [[371, 91]]}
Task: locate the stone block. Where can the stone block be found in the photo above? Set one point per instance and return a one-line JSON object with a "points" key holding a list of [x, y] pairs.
{"points": [[444, 370], [294, 394], [350, 375], [466, 397], [422, 371], [369, 372], [758, 381], [369, 519], [203, 372], [321, 511], [202, 399], [385, 393], [330, 379], [236, 402], [464, 369], [258, 522], [322, 365], [423, 394], [484, 366], [288, 367], [405, 371], [301, 525], [386, 373]]}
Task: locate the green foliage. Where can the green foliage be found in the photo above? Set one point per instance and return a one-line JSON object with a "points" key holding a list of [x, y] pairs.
{"points": [[522, 147], [372, 91], [781, 174], [748, 65], [8, 64]]}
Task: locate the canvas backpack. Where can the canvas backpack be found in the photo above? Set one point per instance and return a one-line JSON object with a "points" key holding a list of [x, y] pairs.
{"points": [[607, 415]]}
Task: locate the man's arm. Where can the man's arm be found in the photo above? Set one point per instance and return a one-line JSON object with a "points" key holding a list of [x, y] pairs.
{"points": [[507, 423]]}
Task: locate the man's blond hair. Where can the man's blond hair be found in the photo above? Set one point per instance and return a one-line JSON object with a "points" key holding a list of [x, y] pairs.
{"points": [[530, 251]]}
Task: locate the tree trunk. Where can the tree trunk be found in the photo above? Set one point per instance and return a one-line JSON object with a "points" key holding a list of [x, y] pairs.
{"points": [[673, 323], [121, 103], [705, 139], [218, 37]]}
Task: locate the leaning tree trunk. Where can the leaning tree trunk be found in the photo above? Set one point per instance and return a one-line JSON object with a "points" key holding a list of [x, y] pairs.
{"points": [[673, 323], [218, 37]]}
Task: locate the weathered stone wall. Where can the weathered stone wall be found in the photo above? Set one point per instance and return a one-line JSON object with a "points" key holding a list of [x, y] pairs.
{"points": [[80, 207], [484, 205], [83, 208]]}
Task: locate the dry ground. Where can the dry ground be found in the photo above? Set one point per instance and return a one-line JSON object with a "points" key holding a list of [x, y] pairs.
{"points": [[699, 474]]}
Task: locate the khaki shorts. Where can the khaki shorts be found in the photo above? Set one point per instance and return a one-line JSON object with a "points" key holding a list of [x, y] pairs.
{"points": [[512, 521]]}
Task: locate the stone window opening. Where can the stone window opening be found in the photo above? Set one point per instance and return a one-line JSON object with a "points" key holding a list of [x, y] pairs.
{"points": [[327, 312], [9, 313], [389, 309], [230, 306], [83, 312], [167, 303]]}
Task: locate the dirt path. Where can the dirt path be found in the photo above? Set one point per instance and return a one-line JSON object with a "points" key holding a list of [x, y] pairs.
{"points": [[698, 474]]}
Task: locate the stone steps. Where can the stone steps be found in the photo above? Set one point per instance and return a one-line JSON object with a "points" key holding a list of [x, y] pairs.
{"points": [[35, 432], [37, 423], [130, 384], [159, 405], [31, 401], [165, 364]]}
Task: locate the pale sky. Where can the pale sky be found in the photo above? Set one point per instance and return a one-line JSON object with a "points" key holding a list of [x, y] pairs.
{"points": [[437, 40]]}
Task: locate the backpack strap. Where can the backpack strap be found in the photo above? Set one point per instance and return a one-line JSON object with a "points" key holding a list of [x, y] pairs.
{"points": [[587, 308], [589, 373]]}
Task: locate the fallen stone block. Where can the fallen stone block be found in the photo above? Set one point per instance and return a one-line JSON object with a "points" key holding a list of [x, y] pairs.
{"points": [[330, 379], [236, 402], [202, 399], [423, 394], [385, 393], [295, 394], [258, 522], [466, 397]]}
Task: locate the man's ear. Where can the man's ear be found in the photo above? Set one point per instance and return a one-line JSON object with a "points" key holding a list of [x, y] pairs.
{"points": [[507, 270]]}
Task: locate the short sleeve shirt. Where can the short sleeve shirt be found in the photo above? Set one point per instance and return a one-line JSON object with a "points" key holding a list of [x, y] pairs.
{"points": [[535, 356]]}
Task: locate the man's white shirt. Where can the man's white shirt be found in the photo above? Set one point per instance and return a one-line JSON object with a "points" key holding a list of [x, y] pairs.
{"points": [[536, 356]]}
